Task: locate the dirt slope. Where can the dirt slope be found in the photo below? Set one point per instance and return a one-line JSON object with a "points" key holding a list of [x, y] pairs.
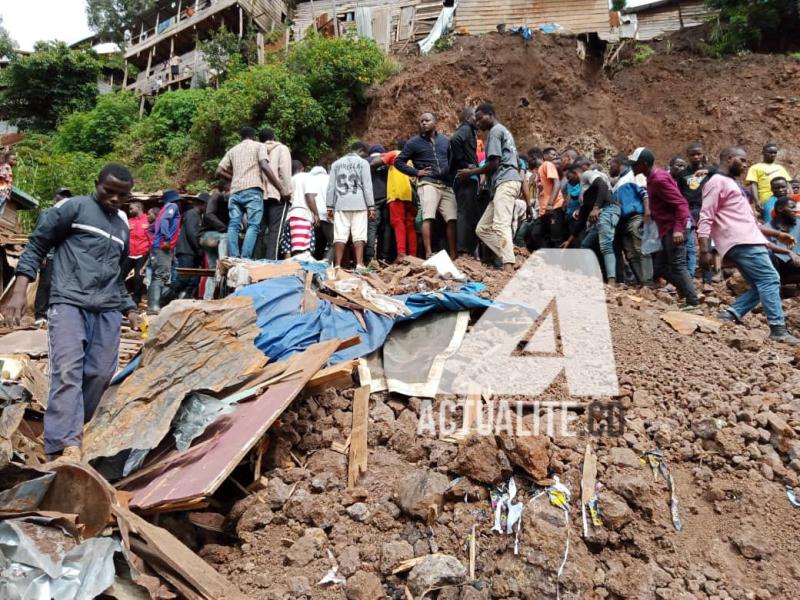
{"points": [[724, 407], [547, 95]]}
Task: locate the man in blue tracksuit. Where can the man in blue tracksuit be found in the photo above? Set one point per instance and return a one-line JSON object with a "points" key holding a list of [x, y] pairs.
{"points": [[87, 301], [168, 227]]}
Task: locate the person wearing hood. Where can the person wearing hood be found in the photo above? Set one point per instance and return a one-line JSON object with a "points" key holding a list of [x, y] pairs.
{"points": [[167, 230], [379, 235], [277, 199], [189, 252], [630, 190]]}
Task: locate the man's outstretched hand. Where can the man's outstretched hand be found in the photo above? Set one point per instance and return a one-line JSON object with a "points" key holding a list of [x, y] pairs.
{"points": [[135, 320], [14, 306]]}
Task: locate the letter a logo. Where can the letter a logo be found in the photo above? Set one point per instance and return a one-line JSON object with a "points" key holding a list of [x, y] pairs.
{"points": [[550, 318]]}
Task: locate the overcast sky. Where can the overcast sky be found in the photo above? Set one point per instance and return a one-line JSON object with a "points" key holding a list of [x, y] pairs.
{"points": [[29, 21]]}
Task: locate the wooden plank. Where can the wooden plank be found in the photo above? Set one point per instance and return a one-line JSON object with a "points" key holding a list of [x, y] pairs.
{"points": [[200, 471], [338, 376], [189, 272], [358, 438], [170, 551], [261, 272]]}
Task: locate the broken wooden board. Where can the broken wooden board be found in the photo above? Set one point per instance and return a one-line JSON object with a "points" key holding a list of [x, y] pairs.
{"points": [[338, 376], [199, 471], [165, 548], [260, 272], [32, 342], [357, 465], [687, 323]]}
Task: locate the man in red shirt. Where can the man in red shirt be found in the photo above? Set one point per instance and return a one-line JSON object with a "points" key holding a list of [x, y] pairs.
{"points": [[670, 210], [140, 242]]}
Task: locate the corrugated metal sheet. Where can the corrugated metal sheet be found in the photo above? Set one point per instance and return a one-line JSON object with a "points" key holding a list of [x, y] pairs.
{"points": [[668, 18], [575, 16]]}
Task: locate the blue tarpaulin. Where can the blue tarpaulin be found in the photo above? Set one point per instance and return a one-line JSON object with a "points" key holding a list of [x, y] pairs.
{"points": [[285, 330]]}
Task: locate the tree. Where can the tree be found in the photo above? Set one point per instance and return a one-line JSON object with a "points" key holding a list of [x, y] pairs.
{"points": [[7, 45], [94, 132], [54, 80], [765, 25], [112, 18], [226, 53]]}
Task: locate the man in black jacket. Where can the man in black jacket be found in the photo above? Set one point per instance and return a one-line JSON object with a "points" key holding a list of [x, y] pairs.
{"points": [[462, 154], [188, 252], [428, 154], [87, 300], [214, 234]]}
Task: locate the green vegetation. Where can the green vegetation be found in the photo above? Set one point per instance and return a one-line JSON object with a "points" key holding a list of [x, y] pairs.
{"points": [[37, 91], [111, 18], [444, 43], [7, 45], [307, 98], [764, 25], [642, 54]]}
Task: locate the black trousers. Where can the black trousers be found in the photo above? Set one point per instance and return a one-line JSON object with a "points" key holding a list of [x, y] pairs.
{"points": [[672, 262], [42, 301], [324, 240], [469, 213], [137, 281], [380, 236], [272, 224]]}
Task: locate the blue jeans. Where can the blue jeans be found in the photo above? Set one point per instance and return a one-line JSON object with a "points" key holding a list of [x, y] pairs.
{"points": [[84, 346], [251, 202], [606, 227], [691, 251], [754, 264]]}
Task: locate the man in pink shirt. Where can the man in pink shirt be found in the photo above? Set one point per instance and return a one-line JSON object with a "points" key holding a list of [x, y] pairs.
{"points": [[728, 219], [670, 211]]}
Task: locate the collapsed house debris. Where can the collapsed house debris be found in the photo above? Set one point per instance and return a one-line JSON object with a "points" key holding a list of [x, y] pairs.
{"points": [[282, 478]]}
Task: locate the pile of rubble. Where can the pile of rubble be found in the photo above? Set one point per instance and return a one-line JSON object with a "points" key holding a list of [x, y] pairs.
{"points": [[290, 480]]}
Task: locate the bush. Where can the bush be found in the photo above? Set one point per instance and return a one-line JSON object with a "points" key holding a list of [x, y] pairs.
{"points": [[765, 25], [95, 131], [41, 170], [262, 96], [642, 54], [339, 71]]}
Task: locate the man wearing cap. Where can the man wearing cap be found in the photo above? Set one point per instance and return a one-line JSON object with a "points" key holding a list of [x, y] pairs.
{"points": [[728, 219], [670, 211], [168, 225], [188, 251]]}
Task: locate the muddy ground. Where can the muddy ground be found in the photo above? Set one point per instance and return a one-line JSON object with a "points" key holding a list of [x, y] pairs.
{"points": [[547, 95], [724, 407]]}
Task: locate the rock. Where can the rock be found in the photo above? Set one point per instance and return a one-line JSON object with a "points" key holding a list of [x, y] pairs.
{"points": [[358, 512], [299, 586], [463, 489], [303, 551], [530, 453], [614, 511], [393, 553], [480, 459], [706, 428], [420, 490], [256, 517], [745, 344], [435, 571], [624, 457], [276, 494], [751, 545], [364, 586], [349, 561]]}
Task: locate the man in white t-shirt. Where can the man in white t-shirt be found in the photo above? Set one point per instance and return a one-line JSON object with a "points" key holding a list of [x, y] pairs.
{"points": [[316, 183], [303, 214]]}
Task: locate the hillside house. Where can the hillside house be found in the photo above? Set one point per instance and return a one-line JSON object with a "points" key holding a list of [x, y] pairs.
{"points": [[164, 41], [662, 17], [394, 25]]}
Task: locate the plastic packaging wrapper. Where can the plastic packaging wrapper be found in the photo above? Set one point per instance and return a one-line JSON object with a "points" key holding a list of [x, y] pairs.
{"points": [[197, 412], [651, 242]]}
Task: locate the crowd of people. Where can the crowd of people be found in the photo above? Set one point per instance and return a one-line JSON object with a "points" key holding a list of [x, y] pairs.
{"points": [[472, 194]]}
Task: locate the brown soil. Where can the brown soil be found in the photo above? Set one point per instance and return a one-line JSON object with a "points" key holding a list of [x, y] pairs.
{"points": [[724, 407], [547, 96]]}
